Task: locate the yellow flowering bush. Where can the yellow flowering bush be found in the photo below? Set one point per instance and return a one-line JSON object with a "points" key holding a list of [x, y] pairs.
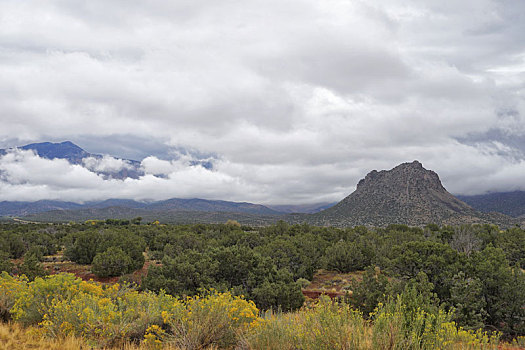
{"points": [[214, 318], [36, 299], [326, 324], [331, 325], [115, 316], [395, 327], [10, 288], [63, 306], [153, 339]]}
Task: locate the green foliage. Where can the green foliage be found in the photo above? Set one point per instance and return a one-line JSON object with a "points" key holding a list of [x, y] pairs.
{"points": [[237, 268], [83, 248], [31, 267], [37, 251], [344, 257], [466, 296], [503, 289], [437, 260], [15, 245], [113, 262], [512, 242], [5, 262], [367, 294], [182, 274], [282, 293], [116, 222], [33, 301], [472, 270], [395, 325]]}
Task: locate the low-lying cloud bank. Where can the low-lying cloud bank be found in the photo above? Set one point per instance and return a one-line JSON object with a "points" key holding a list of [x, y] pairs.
{"points": [[24, 176]]}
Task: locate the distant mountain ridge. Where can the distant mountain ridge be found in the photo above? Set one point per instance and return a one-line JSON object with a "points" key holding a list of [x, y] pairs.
{"points": [[164, 216], [174, 204], [302, 208], [509, 203], [407, 194], [8, 208], [63, 150]]}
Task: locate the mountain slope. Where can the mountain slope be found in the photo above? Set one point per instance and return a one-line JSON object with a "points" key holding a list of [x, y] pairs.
{"points": [[174, 204], [509, 203], [407, 194], [63, 150], [164, 216], [27, 208], [302, 208], [196, 204]]}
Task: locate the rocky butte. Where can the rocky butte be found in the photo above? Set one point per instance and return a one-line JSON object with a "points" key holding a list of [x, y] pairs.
{"points": [[408, 194]]}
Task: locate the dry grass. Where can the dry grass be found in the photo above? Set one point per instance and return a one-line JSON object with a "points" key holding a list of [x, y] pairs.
{"points": [[333, 281], [14, 337]]}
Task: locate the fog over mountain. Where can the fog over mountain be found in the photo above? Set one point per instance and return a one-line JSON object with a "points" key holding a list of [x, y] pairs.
{"points": [[262, 101]]}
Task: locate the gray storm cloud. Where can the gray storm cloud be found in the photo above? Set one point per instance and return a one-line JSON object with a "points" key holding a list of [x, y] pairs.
{"points": [[298, 100]]}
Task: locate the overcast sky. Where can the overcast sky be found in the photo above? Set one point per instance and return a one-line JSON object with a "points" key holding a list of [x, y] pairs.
{"points": [[293, 101]]}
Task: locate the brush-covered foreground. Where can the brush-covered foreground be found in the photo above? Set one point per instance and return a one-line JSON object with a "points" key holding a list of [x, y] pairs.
{"points": [[64, 312]]}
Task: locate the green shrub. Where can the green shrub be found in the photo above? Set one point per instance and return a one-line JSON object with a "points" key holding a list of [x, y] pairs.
{"points": [[344, 257], [37, 251], [113, 262], [31, 267], [367, 293], [5, 262]]}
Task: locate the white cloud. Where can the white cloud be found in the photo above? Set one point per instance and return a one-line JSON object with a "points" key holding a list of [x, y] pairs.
{"points": [[298, 100], [106, 164], [26, 176]]}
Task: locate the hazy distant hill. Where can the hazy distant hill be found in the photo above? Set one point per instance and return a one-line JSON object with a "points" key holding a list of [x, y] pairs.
{"points": [[407, 194], [26, 208], [196, 204], [125, 203], [164, 216], [174, 204], [302, 208], [509, 203]]}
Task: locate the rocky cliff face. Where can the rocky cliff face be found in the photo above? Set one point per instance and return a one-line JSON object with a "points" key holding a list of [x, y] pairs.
{"points": [[408, 194]]}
